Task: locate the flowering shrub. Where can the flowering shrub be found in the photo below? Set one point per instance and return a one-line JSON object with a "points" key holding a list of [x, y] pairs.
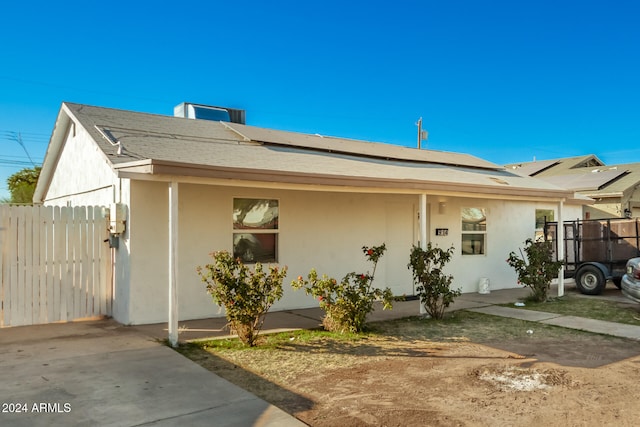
{"points": [[537, 269], [347, 303], [246, 295], [433, 285]]}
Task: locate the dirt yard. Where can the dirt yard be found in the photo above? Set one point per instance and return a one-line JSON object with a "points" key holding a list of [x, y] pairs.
{"points": [[518, 377]]}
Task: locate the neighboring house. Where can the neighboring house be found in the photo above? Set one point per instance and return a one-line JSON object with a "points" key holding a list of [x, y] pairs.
{"points": [[189, 187], [614, 188]]}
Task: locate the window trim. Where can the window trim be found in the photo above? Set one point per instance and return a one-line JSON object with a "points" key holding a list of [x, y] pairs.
{"points": [[464, 232], [253, 231]]}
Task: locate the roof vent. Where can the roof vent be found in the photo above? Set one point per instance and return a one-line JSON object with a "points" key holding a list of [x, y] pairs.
{"points": [[208, 112]]}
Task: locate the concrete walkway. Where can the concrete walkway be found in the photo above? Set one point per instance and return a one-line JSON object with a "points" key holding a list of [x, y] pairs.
{"points": [[572, 322]]}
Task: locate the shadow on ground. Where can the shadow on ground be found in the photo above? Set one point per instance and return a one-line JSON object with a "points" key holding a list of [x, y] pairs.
{"points": [[597, 351], [273, 393]]}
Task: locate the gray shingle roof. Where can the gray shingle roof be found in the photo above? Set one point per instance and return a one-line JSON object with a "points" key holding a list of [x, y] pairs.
{"points": [[149, 136], [591, 181], [586, 174], [556, 166], [531, 168], [155, 144]]}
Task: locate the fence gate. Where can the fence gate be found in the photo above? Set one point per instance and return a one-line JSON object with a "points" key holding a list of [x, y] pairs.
{"points": [[54, 264]]}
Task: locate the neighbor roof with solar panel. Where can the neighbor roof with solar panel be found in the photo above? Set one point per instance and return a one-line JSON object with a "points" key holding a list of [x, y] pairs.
{"points": [[595, 180]]}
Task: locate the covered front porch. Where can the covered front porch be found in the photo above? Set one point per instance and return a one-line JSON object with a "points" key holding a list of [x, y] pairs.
{"points": [[322, 228]]}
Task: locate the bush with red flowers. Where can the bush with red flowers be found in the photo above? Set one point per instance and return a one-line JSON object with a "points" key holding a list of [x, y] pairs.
{"points": [[246, 295], [347, 303]]}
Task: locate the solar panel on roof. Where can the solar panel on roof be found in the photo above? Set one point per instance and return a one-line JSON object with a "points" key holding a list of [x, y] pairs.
{"points": [[585, 181], [359, 148], [532, 168]]}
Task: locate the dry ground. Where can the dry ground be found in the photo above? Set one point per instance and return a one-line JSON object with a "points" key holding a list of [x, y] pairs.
{"points": [[475, 371]]}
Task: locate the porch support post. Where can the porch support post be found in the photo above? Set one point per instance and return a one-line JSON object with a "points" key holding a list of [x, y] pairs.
{"points": [[173, 263], [560, 236], [423, 221], [423, 233]]}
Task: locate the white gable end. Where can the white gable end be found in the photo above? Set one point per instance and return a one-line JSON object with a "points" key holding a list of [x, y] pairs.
{"points": [[71, 182]]}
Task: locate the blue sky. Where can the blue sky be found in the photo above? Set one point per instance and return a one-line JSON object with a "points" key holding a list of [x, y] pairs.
{"points": [[506, 81]]}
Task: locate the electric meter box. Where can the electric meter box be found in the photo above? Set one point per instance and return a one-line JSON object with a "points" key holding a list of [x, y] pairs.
{"points": [[117, 218]]}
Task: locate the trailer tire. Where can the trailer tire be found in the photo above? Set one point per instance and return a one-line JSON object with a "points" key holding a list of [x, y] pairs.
{"points": [[590, 280]]}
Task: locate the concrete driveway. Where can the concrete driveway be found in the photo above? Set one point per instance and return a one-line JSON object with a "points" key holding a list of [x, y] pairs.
{"points": [[100, 373]]}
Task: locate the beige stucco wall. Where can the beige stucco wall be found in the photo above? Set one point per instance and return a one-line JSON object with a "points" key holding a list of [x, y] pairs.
{"points": [[509, 224], [122, 260], [321, 230], [602, 211]]}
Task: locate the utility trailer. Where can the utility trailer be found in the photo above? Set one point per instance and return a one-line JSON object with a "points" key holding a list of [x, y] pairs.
{"points": [[596, 250]]}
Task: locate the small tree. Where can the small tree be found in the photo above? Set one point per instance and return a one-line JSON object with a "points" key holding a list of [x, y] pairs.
{"points": [[347, 303], [246, 295], [535, 268], [22, 185], [434, 287]]}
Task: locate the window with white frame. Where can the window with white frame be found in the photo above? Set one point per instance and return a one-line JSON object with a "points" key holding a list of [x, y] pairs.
{"points": [[474, 231], [255, 229]]}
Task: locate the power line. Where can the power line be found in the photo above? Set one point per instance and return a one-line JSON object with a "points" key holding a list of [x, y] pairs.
{"points": [[7, 159], [11, 135], [9, 156], [15, 163], [27, 133], [17, 137]]}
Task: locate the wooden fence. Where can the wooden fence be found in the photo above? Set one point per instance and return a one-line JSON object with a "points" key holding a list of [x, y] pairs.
{"points": [[54, 264]]}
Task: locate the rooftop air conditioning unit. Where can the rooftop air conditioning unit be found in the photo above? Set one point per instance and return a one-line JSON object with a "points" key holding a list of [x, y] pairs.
{"points": [[208, 112]]}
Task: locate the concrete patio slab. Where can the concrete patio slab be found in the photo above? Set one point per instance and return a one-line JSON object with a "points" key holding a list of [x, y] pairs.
{"points": [[500, 296]]}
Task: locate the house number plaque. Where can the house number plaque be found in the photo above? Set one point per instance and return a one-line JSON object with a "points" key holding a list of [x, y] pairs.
{"points": [[442, 231]]}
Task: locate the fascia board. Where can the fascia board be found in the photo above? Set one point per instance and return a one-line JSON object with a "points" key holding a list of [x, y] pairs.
{"points": [[181, 171]]}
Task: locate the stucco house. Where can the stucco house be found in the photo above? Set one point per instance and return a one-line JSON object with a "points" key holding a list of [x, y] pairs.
{"points": [[185, 187], [615, 189]]}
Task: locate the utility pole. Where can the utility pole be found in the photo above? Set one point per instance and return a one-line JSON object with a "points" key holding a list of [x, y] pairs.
{"points": [[422, 134]]}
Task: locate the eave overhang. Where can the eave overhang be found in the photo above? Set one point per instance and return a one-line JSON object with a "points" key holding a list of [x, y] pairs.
{"points": [[161, 170]]}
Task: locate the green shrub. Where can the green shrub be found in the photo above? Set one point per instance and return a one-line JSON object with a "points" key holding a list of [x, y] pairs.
{"points": [[347, 303], [434, 287], [246, 295], [535, 268]]}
